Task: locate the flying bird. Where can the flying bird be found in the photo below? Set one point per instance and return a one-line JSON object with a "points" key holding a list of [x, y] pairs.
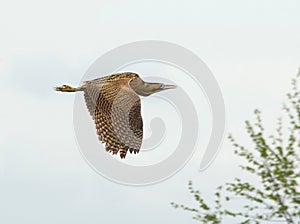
{"points": [[113, 102]]}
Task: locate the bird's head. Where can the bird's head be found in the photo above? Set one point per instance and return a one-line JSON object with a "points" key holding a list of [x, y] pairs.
{"points": [[147, 88]]}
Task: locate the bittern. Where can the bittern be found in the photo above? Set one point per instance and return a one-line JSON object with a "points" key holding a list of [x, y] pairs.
{"points": [[115, 106]]}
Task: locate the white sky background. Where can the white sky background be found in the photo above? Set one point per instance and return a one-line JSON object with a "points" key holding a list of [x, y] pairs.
{"points": [[252, 47]]}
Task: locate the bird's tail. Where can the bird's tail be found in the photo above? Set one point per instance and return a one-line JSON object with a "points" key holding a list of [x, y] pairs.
{"points": [[66, 88]]}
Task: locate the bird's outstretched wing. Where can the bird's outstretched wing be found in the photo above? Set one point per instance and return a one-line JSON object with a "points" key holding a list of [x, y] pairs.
{"points": [[116, 111]]}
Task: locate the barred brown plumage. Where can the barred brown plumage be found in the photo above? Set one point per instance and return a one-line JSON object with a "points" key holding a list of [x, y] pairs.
{"points": [[113, 102]]}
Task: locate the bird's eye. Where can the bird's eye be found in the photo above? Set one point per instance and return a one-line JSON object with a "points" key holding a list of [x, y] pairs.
{"points": [[162, 86]]}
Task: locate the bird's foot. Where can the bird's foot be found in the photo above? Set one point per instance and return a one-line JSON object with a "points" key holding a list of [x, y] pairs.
{"points": [[65, 88]]}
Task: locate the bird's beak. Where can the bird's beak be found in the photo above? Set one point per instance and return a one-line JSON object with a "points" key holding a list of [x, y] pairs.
{"points": [[165, 87]]}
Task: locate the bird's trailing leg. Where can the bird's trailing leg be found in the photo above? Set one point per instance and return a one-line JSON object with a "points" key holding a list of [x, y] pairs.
{"points": [[66, 88]]}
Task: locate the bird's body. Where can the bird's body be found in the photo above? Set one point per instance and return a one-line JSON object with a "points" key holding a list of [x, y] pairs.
{"points": [[115, 106]]}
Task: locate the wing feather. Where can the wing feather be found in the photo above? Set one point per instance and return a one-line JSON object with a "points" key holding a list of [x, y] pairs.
{"points": [[116, 111]]}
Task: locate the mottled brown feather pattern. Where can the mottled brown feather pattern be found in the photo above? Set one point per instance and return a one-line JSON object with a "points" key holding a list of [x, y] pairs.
{"points": [[116, 111]]}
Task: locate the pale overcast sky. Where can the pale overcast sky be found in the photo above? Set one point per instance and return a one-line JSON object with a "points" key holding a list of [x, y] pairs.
{"points": [[252, 48]]}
